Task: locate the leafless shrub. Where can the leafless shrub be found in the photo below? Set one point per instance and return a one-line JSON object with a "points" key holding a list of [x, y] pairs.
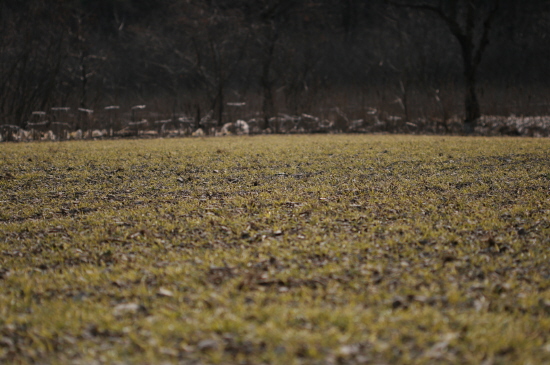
{"points": [[76, 135], [536, 126], [137, 127], [240, 127], [48, 136], [60, 129], [198, 133], [8, 132]]}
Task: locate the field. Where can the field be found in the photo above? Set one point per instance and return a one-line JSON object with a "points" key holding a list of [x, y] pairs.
{"points": [[328, 249]]}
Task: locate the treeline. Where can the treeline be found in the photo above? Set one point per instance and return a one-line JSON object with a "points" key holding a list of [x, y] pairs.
{"points": [[243, 59]]}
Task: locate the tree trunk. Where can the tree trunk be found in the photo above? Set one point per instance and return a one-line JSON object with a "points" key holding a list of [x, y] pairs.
{"points": [[219, 106], [267, 102], [471, 57], [266, 81], [471, 102], [83, 81], [464, 30]]}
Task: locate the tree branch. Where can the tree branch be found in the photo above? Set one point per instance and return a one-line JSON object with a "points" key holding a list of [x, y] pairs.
{"points": [[452, 23], [484, 42]]}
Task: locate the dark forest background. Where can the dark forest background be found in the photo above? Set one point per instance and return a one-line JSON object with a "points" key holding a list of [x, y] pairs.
{"points": [[342, 60]]}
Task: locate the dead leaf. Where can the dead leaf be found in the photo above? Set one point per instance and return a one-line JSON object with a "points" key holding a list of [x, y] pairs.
{"points": [[128, 308], [163, 292], [207, 345]]}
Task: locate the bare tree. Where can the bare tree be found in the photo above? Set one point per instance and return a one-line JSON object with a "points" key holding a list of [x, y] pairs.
{"points": [[219, 46], [469, 22], [32, 52]]}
